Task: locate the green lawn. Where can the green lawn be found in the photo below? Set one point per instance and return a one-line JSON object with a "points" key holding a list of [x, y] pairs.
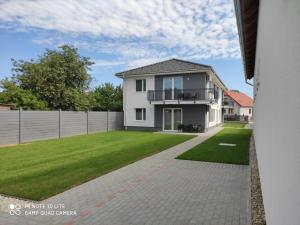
{"points": [[41, 169], [234, 124], [211, 151]]}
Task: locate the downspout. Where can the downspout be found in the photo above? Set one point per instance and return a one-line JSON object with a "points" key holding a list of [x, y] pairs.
{"points": [[124, 104]]}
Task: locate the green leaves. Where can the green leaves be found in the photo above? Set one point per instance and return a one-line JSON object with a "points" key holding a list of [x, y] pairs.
{"points": [[58, 79], [107, 97], [20, 97]]}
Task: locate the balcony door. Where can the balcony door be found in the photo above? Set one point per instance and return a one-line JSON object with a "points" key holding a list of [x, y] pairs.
{"points": [[172, 86], [172, 117]]}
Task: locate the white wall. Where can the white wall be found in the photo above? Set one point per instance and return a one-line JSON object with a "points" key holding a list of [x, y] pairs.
{"points": [[236, 108], [277, 109], [133, 99], [245, 111], [218, 112]]}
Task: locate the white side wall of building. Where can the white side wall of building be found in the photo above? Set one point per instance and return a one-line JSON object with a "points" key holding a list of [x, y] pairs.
{"points": [[218, 112], [277, 109], [133, 99], [236, 108], [244, 111]]}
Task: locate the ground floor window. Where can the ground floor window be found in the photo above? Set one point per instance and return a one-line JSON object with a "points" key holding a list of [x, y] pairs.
{"points": [[249, 111], [140, 114], [230, 111]]}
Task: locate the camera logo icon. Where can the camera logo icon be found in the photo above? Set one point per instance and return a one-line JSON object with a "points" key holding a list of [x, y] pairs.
{"points": [[15, 209]]}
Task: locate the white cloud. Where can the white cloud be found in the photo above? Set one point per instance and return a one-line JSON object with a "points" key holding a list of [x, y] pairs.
{"points": [[134, 31], [106, 63]]}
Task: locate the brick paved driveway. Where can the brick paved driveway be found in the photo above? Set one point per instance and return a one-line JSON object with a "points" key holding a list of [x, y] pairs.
{"points": [[156, 190]]}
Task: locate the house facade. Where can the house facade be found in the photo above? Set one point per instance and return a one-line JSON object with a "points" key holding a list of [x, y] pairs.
{"points": [[269, 36], [237, 103], [171, 94]]}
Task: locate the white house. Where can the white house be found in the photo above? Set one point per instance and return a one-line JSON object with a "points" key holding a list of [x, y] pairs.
{"points": [[172, 94], [237, 103], [269, 33]]}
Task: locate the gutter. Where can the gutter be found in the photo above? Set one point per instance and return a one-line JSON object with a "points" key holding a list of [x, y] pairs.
{"points": [[124, 103], [247, 82], [238, 14], [157, 74], [247, 13]]}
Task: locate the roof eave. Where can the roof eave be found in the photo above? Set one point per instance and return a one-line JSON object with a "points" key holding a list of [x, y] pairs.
{"points": [[219, 79], [247, 19], [121, 74], [160, 74]]}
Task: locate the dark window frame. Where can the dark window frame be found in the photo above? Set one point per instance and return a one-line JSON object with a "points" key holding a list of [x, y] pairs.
{"points": [[142, 85], [142, 116]]}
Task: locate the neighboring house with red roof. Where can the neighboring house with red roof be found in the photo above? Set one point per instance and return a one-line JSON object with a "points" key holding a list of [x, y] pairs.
{"points": [[237, 103]]}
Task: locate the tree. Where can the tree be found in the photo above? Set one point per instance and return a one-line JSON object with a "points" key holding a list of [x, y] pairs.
{"points": [[118, 99], [107, 97], [58, 77], [21, 98]]}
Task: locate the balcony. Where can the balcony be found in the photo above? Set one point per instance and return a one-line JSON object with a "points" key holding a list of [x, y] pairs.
{"points": [[183, 96]]}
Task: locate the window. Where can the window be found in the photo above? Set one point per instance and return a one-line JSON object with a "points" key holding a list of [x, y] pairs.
{"points": [[172, 87], [140, 85], [216, 92], [249, 111], [140, 114], [212, 115]]}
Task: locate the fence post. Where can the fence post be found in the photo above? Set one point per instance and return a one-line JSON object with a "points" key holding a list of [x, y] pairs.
{"points": [[87, 122], [59, 123], [20, 125], [107, 121]]}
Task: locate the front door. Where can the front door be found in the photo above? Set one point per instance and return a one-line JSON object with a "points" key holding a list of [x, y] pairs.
{"points": [[172, 117]]}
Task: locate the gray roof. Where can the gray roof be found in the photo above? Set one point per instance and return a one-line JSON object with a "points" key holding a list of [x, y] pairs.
{"points": [[166, 67]]}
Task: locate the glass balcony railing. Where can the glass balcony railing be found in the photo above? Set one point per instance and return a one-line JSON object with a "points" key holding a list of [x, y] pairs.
{"points": [[182, 94]]}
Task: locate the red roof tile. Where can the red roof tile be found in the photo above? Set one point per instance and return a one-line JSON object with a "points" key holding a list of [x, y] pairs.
{"points": [[240, 98]]}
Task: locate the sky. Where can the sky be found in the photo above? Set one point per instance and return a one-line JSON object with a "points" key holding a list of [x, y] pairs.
{"points": [[122, 34]]}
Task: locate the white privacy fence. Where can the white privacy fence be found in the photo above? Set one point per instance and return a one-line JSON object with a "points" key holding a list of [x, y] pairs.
{"points": [[17, 126]]}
